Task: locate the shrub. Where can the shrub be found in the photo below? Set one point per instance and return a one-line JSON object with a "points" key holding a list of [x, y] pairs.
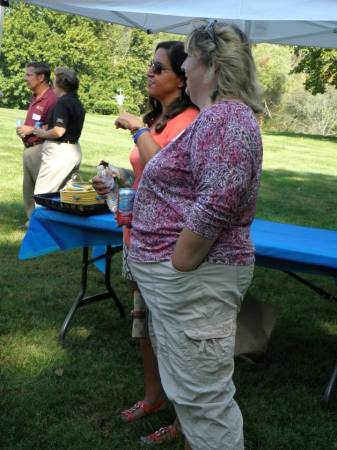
{"points": [[105, 107], [303, 112], [131, 108]]}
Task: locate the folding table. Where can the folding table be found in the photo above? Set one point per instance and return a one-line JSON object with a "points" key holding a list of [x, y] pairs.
{"points": [[289, 248], [50, 231], [296, 249]]}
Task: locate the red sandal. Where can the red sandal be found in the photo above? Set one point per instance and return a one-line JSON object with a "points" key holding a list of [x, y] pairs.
{"points": [[129, 415], [164, 434]]}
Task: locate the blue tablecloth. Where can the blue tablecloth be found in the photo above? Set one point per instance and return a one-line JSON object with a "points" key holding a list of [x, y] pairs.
{"points": [[295, 248], [282, 246], [50, 231]]}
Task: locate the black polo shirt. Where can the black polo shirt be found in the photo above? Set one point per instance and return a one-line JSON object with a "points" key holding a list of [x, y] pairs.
{"points": [[68, 113]]}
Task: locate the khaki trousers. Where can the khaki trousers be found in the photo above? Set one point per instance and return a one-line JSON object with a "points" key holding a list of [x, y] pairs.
{"points": [[31, 167], [193, 317], [58, 163]]}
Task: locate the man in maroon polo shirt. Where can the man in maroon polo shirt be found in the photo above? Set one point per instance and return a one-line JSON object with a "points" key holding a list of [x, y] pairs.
{"points": [[37, 77]]}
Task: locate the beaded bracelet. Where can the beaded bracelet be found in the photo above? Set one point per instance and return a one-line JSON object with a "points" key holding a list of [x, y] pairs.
{"points": [[133, 131], [138, 133]]}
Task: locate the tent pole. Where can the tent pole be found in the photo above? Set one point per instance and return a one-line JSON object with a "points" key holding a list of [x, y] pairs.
{"points": [[2, 14]]}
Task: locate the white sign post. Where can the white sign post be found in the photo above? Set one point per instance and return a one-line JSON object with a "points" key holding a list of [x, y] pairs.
{"points": [[120, 98]]}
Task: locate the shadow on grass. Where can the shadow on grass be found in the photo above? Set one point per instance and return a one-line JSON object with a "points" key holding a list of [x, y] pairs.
{"points": [[301, 135], [70, 397], [12, 213], [292, 197], [37, 293]]}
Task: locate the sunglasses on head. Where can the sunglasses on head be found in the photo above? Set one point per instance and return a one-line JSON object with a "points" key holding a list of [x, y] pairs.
{"points": [[209, 29], [156, 67]]}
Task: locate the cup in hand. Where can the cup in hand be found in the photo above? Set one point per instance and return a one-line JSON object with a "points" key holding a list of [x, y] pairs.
{"points": [[19, 122]]}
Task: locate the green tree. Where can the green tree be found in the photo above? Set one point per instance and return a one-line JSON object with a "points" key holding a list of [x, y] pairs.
{"points": [[303, 112], [106, 57], [130, 69], [31, 33], [320, 67], [273, 63]]}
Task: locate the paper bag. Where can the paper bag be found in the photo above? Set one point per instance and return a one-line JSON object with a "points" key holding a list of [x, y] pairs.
{"points": [[255, 323]]}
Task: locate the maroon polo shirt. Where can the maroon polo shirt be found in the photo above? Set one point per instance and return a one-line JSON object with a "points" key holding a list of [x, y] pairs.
{"points": [[38, 111]]}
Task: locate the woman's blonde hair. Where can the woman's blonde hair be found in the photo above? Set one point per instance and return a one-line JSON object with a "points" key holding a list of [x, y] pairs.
{"points": [[226, 49]]}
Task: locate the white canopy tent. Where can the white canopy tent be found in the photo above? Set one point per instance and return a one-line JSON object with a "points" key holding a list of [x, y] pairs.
{"points": [[300, 22]]}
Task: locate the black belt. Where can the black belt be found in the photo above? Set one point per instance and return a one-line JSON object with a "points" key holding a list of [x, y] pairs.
{"points": [[69, 141], [32, 144]]}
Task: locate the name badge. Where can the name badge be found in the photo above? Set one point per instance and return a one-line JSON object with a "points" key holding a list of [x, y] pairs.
{"points": [[36, 116]]}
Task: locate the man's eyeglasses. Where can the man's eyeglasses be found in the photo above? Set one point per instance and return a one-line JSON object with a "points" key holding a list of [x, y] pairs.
{"points": [[157, 67]]}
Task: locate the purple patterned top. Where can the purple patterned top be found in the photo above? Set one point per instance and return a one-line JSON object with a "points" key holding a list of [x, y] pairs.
{"points": [[206, 180]]}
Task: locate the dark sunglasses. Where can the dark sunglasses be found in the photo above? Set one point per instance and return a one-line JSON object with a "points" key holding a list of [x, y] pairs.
{"points": [[157, 67]]}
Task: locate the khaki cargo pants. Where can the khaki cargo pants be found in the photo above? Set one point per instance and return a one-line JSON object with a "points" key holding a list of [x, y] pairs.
{"points": [[58, 162], [193, 317]]}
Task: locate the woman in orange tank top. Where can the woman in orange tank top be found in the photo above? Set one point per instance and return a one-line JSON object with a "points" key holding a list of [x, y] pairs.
{"points": [[171, 111]]}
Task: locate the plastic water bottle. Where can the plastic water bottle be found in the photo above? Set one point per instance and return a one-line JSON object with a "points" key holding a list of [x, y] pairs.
{"points": [[111, 198], [104, 171]]}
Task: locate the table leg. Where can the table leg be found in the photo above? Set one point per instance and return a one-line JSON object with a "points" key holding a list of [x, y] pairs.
{"points": [[328, 390], [110, 251], [333, 378], [81, 300], [317, 289]]}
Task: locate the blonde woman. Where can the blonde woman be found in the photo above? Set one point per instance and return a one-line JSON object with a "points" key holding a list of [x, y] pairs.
{"points": [[190, 250], [171, 111]]}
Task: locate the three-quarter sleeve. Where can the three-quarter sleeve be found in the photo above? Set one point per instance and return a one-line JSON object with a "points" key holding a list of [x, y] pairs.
{"points": [[222, 167]]}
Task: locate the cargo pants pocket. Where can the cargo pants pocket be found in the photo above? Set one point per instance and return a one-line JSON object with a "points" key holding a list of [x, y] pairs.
{"points": [[209, 349]]}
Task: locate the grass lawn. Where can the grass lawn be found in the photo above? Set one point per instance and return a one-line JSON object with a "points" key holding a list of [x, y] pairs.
{"points": [[54, 398]]}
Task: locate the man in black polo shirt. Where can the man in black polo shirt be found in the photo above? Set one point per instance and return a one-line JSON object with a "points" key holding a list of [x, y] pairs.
{"points": [[61, 152]]}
